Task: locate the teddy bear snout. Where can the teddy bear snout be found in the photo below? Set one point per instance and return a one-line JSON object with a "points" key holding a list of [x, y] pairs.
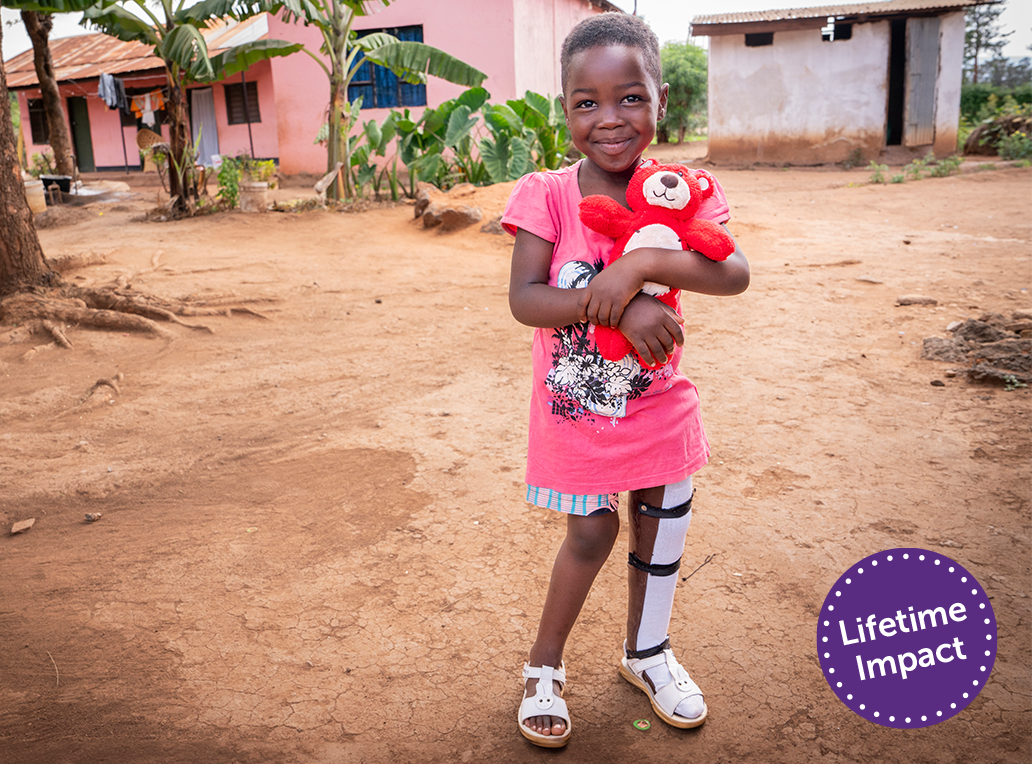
{"points": [[669, 180]]}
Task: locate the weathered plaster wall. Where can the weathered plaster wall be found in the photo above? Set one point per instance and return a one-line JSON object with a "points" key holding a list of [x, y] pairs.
{"points": [[540, 26], [948, 83], [800, 100]]}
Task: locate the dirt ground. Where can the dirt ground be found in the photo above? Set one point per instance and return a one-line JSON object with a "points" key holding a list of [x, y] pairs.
{"points": [[314, 546]]}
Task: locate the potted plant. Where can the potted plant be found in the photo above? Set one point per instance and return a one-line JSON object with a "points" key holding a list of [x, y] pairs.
{"points": [[256, 178]]}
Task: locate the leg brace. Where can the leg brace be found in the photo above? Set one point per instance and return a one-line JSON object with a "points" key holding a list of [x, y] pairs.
{"points": [[672, 520]]}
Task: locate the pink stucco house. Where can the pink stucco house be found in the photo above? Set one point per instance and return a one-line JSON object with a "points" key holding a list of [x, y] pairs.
{"points": [[274, 110]]}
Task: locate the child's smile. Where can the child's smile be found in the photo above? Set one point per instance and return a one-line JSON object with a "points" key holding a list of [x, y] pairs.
{"points": [[612, 104]]}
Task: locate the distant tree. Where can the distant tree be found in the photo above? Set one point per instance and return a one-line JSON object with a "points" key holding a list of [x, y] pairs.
{"points": [[39, 25], [1009, 72], [684, 69], [983, 37]]}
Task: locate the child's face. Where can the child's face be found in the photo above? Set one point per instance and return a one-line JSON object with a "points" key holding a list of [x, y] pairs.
{"points": [[612, 104]]}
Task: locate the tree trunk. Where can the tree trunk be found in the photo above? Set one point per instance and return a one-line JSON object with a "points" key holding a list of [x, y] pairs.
{"points": [[181, 160], [21, 257], [38, 25]]}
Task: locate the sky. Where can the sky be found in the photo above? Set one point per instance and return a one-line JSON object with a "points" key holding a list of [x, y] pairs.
{"points": [[670, 16]]}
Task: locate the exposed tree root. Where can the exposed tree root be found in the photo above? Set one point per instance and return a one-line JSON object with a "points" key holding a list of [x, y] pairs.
{"points": [[42, 311], [65, 263]]}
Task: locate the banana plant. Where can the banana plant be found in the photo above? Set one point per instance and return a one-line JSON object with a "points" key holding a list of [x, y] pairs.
{"points": [[174, 30], [343, 51]]}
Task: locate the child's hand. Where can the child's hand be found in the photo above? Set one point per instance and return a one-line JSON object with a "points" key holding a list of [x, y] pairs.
{"points": [[652, 328], [608, 294]]}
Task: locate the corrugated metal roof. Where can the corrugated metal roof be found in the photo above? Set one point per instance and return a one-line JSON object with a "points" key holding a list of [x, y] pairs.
{"points": [[88, 56], [820, 12]]}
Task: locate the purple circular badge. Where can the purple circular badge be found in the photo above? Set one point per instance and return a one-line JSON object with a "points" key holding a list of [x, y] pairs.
{"points": [[907, 638]]}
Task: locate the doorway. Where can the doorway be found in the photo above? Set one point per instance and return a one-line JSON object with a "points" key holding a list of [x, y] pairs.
{"points": [[913, 71], [79, 119]]}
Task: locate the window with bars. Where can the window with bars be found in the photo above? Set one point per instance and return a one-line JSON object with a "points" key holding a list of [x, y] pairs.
{"points": [[235, 110], [378, 86], [38, 122]]}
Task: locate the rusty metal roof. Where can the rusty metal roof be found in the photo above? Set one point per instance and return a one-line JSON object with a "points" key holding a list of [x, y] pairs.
{"points": [[900, 7], [88, 56]]}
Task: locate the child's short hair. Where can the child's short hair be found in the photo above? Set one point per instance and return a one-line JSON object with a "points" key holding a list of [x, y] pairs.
{"points": [[612, 28]]}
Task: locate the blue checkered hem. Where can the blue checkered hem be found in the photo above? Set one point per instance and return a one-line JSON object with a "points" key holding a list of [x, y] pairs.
{"points": [[573, 503]]}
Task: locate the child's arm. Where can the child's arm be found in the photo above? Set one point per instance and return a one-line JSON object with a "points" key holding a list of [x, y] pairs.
{"points": [[651, 326], [613, 289], [532, 301]]}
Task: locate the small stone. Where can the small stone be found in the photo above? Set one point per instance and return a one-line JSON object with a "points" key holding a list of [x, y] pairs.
{"points": [[22, 526], [92, 517], [938, 383], [916, 299], [954, 325]]}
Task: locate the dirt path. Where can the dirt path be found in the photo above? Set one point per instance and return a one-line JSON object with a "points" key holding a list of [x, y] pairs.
{"points": [[314, 546]]}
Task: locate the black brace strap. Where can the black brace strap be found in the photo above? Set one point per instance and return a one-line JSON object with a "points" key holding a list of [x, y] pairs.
{"points": [[666, 514], [653, 570], [648, 652]]}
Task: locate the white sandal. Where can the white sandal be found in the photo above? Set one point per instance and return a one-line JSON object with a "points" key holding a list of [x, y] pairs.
{"points": [[544, 702], [665, 700]]}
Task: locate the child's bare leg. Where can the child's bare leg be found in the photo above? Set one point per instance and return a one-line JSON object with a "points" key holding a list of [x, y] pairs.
{"points": [[657, 543], [589, 540]]}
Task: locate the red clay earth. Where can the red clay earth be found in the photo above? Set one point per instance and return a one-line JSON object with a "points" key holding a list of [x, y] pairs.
{"points": [[314, 547]]}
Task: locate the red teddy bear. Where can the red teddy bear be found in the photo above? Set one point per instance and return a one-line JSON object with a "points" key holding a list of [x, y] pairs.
{"points": [[664, 199]]}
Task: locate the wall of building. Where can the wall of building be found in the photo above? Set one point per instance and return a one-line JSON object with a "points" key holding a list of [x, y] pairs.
{"points": [[948, 83], [265, 135], [801, 100], [539, 28]]}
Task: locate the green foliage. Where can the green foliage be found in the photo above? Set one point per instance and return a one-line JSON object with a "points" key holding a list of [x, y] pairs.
{"points": [[229, 182], [1017, 145], [43, 164], [926, 167], [685, 70], [1012, 383], [974, 98], [1000, 119], [464, 140], [877, 172], [240, 169]]}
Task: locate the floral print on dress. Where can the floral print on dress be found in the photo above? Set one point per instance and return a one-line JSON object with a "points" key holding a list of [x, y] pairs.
{"points": [[583, 383]]}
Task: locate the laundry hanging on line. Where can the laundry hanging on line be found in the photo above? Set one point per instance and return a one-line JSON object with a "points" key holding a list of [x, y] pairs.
{"points": [[112, 92], [144, 106]]}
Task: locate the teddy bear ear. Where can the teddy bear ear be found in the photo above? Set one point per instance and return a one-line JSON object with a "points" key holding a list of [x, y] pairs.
{"points": [[647, 163]]}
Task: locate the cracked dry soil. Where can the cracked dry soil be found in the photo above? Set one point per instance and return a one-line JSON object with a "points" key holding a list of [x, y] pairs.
{"points": [[313, 544]]}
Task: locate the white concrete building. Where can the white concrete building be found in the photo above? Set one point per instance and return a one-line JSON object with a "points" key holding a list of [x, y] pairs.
{"points": [[814, 85]]}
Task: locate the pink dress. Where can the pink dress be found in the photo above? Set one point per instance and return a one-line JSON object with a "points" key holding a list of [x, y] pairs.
{"points": [[599, 426]]}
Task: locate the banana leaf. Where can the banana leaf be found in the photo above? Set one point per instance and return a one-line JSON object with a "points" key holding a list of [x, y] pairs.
{"points": [[186, 46], [402, 57], [241, 57], [116, 21]]}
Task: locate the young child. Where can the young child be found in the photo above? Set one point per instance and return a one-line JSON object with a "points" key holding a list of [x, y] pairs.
{"points": [[597, 427]]}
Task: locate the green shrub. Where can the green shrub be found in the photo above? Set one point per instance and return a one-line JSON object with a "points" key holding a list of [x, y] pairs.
{"points": [[1017, 145]]}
